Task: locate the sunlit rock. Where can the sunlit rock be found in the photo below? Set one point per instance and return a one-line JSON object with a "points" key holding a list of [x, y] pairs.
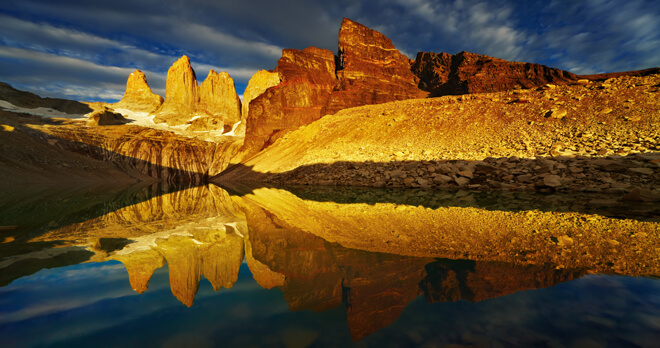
{"points": [[307, 79], [370, 70], [219, 106], [138, 95], [181, 94], [465, 72], [104, 117], [258, 84]]}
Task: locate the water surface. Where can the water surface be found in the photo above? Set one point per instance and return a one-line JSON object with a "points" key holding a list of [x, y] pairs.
{"points": [[158, 266]]}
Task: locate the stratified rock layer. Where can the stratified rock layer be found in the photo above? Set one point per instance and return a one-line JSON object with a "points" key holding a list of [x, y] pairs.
{"points": [[464, 73], [138, 95], [141, 151], [370, 70], [181, 94]]}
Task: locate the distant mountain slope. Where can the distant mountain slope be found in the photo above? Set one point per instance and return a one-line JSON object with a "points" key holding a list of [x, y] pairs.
{"points": [[31, 101]]}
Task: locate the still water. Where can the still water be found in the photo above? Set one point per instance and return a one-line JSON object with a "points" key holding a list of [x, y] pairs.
{"points": [[313, 267]]}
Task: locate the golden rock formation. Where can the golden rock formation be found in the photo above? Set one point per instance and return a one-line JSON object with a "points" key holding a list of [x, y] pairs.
{"points": [[258, 84], [141, 152], [138, 95], [370, 70], [218, 100], [181, 94], [308, 77]]}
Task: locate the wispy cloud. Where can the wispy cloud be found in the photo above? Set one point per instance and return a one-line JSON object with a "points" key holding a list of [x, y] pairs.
{"points": [[60, 76]]}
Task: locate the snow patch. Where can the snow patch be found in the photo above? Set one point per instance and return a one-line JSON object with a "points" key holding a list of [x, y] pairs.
{"points": [[232, 133], [41, 112]]}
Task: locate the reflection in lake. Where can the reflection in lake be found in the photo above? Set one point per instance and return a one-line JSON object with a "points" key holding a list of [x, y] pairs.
{"points": [[286, 269]]}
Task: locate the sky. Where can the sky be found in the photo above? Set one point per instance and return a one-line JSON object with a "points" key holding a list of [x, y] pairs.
{"points": [[86, 49]]}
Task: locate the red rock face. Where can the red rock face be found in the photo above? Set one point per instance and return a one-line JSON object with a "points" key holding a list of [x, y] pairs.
{"points": [[370, 70], [308, 77], [463, 73]]}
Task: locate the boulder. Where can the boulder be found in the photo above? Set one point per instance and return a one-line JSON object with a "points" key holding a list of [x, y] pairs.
{"points": [[138, 95], [553, 181], [370, 70], [181, 94], [641, 195], [104, 117]]}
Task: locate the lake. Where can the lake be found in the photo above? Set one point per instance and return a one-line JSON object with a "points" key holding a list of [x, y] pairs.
{"points": [[205, 266]]}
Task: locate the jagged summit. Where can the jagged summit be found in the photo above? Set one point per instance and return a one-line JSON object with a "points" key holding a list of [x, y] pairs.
{"points": [[138, 95], [181, 94], [219, 101], [213, 105], [315, 83], [370, 70]]}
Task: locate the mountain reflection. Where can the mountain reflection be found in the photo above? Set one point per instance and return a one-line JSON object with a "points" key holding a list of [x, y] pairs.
{"points": [[323, 255]]}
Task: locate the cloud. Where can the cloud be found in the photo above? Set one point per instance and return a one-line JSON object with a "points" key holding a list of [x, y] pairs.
{"points": [[47, 38], [582, 36], [169, 37], [601, 35], [65, 77]]}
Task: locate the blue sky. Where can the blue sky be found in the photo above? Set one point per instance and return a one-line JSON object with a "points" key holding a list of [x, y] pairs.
{"points": [[85, 50]]}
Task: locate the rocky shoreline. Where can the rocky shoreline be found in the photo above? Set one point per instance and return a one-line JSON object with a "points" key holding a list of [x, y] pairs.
{"points": [[635, 176]]}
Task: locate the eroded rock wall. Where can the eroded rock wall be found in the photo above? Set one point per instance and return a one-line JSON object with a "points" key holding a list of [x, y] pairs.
{"points": [[370, 70], [464, 73], [308, 77], [140, 151]]}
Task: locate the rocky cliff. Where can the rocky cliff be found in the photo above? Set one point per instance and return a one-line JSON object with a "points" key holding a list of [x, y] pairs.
{"points": [[181, 94], [219, 106], [464, 73], [370, 70], [138, 95], [307, 79], [258, 84], [142, 151]]}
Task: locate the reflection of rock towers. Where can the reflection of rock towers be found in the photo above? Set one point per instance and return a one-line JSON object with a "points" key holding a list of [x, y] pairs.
{"points": [[213, 253], [314, 274], [197, 232]]}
